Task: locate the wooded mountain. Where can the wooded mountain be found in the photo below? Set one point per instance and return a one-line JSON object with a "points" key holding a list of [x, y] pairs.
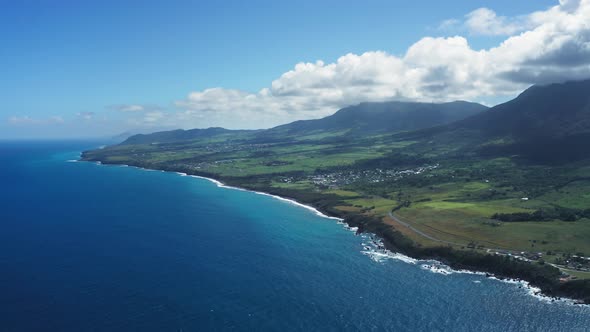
{"points": [[387, 117], [365, 118], [178, 135], [545, 123]]}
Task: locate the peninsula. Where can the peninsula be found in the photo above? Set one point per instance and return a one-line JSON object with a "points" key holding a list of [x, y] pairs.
{"points": [[502, 190]]}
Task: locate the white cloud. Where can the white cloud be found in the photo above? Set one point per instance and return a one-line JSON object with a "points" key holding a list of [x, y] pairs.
{"points": [[545, 46], [27, 120], [128, 108], [484, 21], [569, 5], [449, 24], [86, 115], [152, 117]]}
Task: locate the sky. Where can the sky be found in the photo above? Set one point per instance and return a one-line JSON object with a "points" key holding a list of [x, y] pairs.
{"points": [[100, 68]]}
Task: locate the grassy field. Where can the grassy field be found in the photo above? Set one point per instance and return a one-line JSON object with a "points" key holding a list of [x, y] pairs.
{"points": [[470, 225]]}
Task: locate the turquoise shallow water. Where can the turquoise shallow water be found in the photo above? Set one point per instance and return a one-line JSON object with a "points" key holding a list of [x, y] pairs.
{"points": [[85, 247]]}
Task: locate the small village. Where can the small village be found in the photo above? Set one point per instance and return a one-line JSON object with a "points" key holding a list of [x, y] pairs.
{"points": [[335, 180]]}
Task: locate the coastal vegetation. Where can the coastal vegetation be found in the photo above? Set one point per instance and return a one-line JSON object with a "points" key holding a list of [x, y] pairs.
{"points": [[504, 191]]}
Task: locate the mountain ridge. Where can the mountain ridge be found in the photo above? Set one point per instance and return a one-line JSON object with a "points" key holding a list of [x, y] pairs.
{"points": [[367, 117], [390, 116], [177, 135], [545, 123]]}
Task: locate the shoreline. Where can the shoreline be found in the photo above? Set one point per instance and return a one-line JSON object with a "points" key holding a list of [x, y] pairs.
{"points": [[288, 200], [435, 266]]}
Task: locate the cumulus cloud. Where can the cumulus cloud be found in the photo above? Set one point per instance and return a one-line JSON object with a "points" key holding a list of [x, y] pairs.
{"points": [[484, 21], [545, 46], [27, 120], [569, 5]]}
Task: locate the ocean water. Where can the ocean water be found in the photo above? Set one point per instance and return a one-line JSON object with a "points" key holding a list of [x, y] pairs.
{"points": [[87, 247]]}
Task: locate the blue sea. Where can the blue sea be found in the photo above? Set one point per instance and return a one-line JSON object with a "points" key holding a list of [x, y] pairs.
{"points": [[88, 247]]}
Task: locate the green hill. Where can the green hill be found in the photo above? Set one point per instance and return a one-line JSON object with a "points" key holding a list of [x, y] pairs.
{"points": [[360, 120], [385, 117], [179, 135], [547, 124]]}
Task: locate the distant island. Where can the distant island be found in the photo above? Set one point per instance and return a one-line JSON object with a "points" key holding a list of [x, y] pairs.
{"points": [[502, 190]]}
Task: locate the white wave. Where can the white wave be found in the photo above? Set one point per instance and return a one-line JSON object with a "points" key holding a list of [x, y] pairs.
{"points": [[536, 292], [380, 256], [310, 208], [72, 161], [436, 268], [352, 229], [290, 201]]}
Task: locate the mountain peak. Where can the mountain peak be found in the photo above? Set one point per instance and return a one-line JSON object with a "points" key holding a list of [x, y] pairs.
{"points": [[559, 109]]}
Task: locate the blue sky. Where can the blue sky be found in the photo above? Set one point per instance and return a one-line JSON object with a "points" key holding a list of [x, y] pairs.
{"points": [[69, 67]]}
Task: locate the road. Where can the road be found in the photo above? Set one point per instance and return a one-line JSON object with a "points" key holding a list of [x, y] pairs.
{"points": [[419, 232], [430, 237]]}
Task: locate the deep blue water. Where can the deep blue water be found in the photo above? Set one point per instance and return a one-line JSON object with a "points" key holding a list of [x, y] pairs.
{"points": [[85, 247]]}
